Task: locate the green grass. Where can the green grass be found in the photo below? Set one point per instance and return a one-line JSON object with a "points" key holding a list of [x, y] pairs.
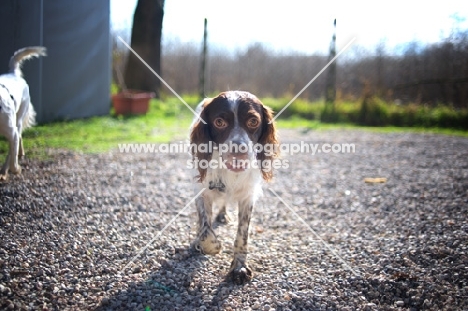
{"points": [[163, 123], [422, 130], [300, 123], [169, 120]]}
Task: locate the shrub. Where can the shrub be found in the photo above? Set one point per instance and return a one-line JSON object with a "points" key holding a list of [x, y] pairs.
{"points": [[329, 114], [300, 107], [373, 112], [444, 116]]}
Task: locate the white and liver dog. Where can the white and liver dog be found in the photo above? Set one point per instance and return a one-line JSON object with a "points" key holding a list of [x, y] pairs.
{"points": [[16, 110], [239, 128]]}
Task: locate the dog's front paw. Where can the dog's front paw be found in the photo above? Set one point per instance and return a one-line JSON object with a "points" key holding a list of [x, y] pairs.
{"points": [[207, 242], [3, 176], [240, 273], [223, 218], [15, 170]]}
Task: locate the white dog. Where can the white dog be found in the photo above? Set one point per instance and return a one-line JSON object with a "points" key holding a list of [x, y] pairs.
{"points": [[16, 110]]}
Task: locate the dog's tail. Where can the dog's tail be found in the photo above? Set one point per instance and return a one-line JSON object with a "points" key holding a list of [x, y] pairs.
{"points": [[30, 119], [23, 54]]}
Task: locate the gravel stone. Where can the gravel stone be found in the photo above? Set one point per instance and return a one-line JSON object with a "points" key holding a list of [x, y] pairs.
{"points": [[82, 232]]}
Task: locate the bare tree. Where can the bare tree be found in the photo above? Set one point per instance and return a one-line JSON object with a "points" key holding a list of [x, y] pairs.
{"points": [[429, 74], [146, 41]]}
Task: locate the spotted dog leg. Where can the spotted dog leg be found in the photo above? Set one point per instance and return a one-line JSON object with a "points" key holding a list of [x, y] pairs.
{"points": [[206, 241], [239, 271], [223, 216]]}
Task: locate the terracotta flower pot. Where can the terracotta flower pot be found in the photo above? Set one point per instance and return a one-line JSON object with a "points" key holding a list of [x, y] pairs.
{"points": [[131, 102]]}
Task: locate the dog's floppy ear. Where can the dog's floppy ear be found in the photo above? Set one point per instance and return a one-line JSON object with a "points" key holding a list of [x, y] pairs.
{"points": [[200, 134], [269, 137]]}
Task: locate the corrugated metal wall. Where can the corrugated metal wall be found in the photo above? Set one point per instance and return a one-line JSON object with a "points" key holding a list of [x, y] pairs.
{"points": [[73, 81]]}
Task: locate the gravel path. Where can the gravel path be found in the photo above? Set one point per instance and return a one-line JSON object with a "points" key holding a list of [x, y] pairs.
{"points": [[70, 226]]}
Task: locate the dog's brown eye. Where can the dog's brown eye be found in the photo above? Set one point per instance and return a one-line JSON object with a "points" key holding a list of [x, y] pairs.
{"points": [[220, 123], [253, 122]]}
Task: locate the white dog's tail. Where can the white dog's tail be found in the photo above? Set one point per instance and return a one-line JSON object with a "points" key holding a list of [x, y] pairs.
{"points": [[23, 54], [30, 119]]}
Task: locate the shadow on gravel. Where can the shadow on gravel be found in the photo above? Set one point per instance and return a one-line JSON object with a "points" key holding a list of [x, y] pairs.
{"points": [[174, 277], [178, 284]]}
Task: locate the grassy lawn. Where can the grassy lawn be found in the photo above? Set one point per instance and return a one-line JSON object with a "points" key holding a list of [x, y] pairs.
{"points": [[167, 120], [301, 123], [98, 134]]}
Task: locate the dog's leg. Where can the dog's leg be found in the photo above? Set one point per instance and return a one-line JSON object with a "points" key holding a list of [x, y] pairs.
{"points": [[21, 149], [206, 241], [24, 119], [11, 161], [223, 216], [13, 154], [239, 271], [4, 170]]}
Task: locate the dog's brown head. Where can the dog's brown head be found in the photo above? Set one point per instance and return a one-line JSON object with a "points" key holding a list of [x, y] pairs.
{"points": [[242, 123]]}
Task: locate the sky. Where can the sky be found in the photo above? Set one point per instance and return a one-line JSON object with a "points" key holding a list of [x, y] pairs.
{"points": [[303, 26]]}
